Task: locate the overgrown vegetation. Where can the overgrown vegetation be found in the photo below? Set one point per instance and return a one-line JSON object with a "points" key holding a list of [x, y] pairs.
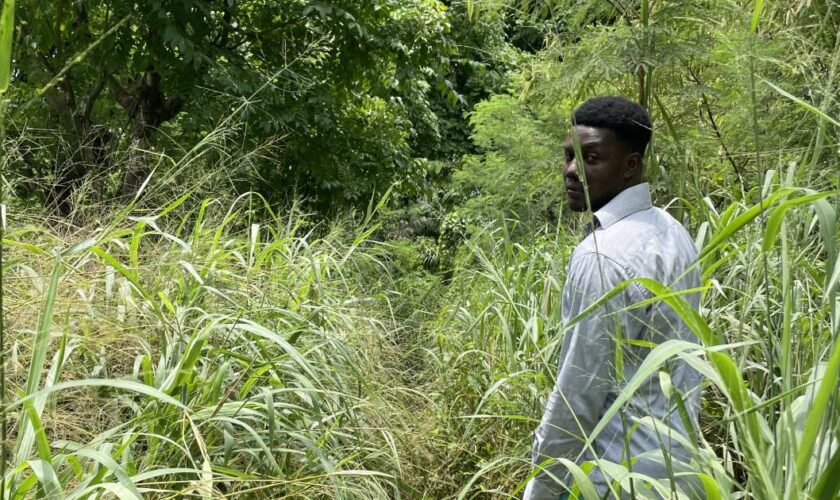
{"points": [[315, 249]]}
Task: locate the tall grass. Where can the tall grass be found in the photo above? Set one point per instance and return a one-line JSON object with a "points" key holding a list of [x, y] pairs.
{"points": [[214, 348], [7, 22], [766, 435], [211, 348], [219, 356]]}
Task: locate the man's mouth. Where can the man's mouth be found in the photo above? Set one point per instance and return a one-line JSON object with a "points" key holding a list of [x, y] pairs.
{"points": [[574, 192]]}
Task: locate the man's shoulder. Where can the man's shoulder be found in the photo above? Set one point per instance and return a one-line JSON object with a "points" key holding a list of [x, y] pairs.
{"points": [[636, 236]]}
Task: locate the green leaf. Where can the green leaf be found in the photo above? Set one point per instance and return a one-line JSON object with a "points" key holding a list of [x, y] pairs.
{"points": [[774, 222], [7, 29], [46, 475], [42, 335], [829, 482], [44, 451], [756, 15], [739, 222], [127, 273], [819, 408], [126, 488], [651, 365], [711, 486], [27, 433], [802, 103], [127, 385]]}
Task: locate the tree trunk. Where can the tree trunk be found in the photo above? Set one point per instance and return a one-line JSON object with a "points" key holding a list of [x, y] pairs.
{"points": [[148, 108], [86, 147], [138, 166]]}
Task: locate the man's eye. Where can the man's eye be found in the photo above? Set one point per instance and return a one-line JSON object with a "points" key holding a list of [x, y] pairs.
{"points": [[590, 158], [570, 156]]}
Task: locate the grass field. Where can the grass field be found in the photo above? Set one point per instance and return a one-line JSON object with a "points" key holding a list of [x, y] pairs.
{"points": [[201, 350], [210, 347]]}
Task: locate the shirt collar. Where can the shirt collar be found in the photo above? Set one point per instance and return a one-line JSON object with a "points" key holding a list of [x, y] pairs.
{"points": [[628, 202]]}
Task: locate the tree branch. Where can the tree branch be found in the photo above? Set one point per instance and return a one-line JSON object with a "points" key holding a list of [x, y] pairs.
{"points": [[56, 28], [125, 99], [81, 16], [94, 95], [222, 40], [66, 84], [708, 108]]}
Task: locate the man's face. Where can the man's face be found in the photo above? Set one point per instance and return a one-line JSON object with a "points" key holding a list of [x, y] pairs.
{"points": [[605, 160]]}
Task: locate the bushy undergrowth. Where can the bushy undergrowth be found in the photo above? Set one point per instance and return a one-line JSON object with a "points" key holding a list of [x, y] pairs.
{"points": [[216, 356], [209, 351]]}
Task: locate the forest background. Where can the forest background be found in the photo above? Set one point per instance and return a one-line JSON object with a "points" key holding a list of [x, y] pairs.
{"points": [[272, 248]]}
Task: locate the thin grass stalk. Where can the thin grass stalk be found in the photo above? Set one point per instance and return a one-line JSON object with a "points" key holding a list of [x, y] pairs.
{"points": [[642, 74], [783, 453], [7, 24], [828, 96], [787, 313], [771, 362], [831, 263], [3, 426]]}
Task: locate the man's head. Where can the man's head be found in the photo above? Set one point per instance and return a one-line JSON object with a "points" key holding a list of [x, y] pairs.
{"points": [[613, 134]]}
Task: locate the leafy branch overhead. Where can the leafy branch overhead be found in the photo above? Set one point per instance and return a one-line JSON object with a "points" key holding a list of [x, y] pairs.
{"points": [[324, 76]]}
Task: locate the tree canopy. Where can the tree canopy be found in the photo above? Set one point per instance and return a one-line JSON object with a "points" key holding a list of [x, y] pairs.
{"points": [[348, 92]]}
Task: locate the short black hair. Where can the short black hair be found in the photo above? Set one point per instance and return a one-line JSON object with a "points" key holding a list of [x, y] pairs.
{"points": [[630, 122]]}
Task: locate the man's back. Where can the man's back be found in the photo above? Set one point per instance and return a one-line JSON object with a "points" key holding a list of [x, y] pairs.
{"points": [[632, 239], [645, 244]]}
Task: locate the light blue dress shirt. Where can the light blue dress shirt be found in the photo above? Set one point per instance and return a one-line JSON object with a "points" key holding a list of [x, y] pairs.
{"points": [[632, 239]]}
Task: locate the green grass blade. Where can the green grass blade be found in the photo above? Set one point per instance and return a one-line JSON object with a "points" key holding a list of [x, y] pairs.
{"points": [[802, 103], [128, 489], [649, 367], [48, 479], [42, 445], [774, 222], [759, 4], [27, 435], [828, 485], [7, 30], [730, 228], [661, 294], [711, 487], [42, 334], [818, 410], [125, 385], [127, 273]]}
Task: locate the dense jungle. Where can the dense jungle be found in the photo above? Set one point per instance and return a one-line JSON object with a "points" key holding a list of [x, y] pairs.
{"points": [[316, 248]]}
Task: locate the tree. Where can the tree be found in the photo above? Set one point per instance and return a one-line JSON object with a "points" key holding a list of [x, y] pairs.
{"points": [[344, 83], [353, 96], [147, 58], [686, 62]]}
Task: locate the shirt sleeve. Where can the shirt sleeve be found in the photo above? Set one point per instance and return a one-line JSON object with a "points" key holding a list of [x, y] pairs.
{"points": [[586, 371]]}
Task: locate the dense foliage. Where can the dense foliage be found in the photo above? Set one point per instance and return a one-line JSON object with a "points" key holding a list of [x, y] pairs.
{"points": [[338, 94], [268, 248]]}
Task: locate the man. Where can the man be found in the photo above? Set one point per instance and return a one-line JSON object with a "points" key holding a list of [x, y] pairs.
{"points": [[628, 238]]}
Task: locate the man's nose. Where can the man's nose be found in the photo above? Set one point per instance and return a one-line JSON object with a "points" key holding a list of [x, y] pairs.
{"points": [[571, 168]]}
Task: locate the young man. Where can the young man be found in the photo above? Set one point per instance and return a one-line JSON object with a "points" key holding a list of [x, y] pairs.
{"points": [[601, 352]]}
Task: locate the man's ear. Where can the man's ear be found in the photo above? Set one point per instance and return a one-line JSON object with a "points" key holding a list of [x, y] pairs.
{"points": [[633, 166]]}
